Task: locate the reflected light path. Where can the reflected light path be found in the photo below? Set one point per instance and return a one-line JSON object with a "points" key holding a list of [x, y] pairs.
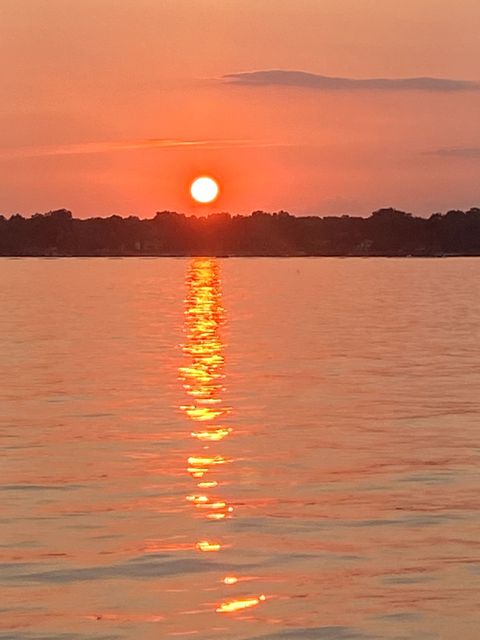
{"points": [[203, 381]]}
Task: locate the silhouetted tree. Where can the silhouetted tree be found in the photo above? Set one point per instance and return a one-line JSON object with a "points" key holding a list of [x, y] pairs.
{"points": [[387, 232]]}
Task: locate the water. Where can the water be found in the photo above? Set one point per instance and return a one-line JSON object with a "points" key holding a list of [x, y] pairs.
{"points": [[244, 448]]}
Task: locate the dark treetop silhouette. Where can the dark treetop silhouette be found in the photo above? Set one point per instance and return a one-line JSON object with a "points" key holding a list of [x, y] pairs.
{"points": [[386, 232]]}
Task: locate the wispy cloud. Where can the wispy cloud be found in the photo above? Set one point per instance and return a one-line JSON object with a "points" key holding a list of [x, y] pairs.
{"points": [[287, 78], [457, 152], [124, 145]]}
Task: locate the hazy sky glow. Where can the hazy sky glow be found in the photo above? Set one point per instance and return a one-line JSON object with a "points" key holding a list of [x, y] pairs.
{"points": [[314, 106]]}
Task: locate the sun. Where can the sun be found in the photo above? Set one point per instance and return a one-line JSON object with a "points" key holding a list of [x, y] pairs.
{"points": [[204, 189]]}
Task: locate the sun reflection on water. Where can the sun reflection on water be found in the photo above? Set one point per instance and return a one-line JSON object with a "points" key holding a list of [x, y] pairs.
{"points": [[203, 381], [238, 605]]}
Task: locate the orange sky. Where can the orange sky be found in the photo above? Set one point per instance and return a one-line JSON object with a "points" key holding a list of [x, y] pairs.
{"points": [[112, 106]]}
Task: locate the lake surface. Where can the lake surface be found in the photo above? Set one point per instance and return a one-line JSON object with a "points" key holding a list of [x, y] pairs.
{"points": [[276, 449]]}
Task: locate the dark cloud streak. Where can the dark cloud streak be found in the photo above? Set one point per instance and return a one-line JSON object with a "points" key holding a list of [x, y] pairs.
{"points": [[457, 152], [304, 79]]}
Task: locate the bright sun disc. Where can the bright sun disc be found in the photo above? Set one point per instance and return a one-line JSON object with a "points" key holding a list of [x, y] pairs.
{"points": [[204, 189]]}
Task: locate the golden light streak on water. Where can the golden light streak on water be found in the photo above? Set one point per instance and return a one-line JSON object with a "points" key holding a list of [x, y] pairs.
{"points": [[206, 546], [212, 436], [203, 413], [197, 499], [204, 460], [201, 382], [238, 605], [197, 472]]}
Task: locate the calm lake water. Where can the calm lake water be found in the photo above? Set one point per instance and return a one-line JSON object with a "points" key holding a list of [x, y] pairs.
{"points": [[240, 448]]}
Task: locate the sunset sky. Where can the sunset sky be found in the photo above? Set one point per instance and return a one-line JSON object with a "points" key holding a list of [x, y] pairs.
{"points": [[114, 106]]}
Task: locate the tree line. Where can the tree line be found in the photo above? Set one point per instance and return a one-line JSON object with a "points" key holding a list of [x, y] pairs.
{"points": [[386, 232]]}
